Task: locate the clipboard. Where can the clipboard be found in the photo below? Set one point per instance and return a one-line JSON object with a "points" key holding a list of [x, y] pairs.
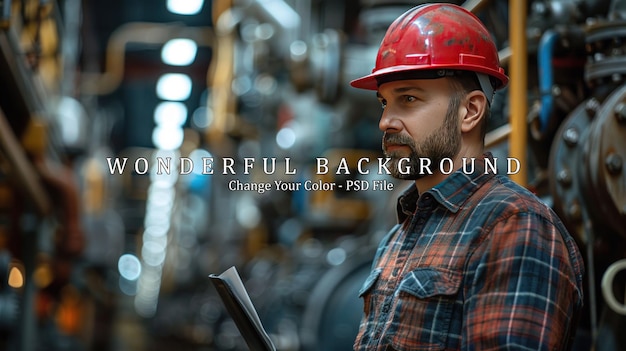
{"points": [[238, 304]]}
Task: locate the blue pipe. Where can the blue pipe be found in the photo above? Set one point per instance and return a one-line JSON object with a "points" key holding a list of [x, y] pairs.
{"points": [[546, 75]]}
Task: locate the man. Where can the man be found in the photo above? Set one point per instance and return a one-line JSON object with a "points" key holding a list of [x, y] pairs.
{"points": [[476, 262]]}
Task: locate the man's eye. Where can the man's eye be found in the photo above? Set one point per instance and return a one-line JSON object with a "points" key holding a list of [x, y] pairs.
{"points": [[409, 98], [383, 103]]}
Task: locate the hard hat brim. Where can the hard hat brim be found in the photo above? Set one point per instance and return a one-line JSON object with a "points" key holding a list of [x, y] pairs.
{"points": [[370, 81]]}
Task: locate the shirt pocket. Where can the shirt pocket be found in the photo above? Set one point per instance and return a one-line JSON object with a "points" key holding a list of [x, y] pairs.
{"points": [[425, 300], [366, 290]]}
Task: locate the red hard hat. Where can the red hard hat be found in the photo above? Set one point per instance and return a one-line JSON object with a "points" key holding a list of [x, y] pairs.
{"points": [[435, 38]]}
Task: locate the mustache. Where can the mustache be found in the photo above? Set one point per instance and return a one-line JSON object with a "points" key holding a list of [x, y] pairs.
{"points": [[397, 139]]}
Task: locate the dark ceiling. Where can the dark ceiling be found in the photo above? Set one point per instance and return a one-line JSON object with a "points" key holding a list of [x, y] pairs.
{"points": [[132, 104], [102, 17]]}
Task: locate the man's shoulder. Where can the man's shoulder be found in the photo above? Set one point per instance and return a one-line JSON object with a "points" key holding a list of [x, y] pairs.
{"points": [[508, 197], [515, 201]]}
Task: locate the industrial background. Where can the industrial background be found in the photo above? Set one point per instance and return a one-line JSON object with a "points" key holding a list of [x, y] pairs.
{"points": [[91, 260]]}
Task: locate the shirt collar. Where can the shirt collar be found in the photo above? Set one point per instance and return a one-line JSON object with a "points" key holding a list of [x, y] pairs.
{"points": [[452, 192]]}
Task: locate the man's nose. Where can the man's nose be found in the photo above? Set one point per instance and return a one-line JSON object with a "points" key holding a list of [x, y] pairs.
{"points": [[389, 121]]}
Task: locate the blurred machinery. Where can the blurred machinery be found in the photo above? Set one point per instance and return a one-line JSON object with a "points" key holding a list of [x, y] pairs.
{"points": [[93, 257]]}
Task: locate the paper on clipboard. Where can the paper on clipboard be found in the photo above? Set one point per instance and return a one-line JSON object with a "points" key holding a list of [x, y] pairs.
{"points": [[237, 301]]}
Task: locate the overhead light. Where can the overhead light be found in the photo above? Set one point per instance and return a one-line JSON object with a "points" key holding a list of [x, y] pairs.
{"points": [[185, 7], [153, 253], [179, 52], [129, 266], [286, 138], [170, 113], [167, 138], [174, 87], [16, 278], [202, 117]]}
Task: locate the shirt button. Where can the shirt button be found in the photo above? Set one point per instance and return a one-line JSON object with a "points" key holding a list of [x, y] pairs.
{"points": [[386, 308]]}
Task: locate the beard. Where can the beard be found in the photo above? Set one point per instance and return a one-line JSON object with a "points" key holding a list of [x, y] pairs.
{"points": [[444, 142]]}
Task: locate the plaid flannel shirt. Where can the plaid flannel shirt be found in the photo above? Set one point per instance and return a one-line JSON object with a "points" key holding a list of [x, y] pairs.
{"points": [[476, 263]]}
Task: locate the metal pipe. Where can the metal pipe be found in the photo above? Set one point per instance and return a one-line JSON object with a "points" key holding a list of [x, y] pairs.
{"points": [[283, 17], [72, 10], [25, 172], [221, 73], [475, 5], [497, 136], [607, 286], [504, 55], [546, 75], [143, 33], [518, 88]]}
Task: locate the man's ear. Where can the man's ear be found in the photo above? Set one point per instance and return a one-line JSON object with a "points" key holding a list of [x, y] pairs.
{"points": [[475, 105]]}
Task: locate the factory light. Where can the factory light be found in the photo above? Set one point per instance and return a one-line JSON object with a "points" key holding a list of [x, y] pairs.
{"points": [[159, 205], [286, 138], [202, 117], [167, 138], [170, 113], [174, 87], [16, 278], [153, 253], [179, 52], [184, 7], [198, 156], [129, 267]]}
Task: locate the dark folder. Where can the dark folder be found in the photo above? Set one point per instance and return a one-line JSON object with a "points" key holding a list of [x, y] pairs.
{"points": [[238, 304]]}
